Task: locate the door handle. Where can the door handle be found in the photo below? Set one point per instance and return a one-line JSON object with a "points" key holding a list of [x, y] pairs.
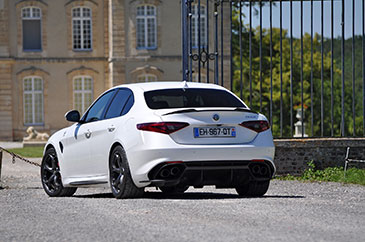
{"points": [[88, 134], [111, 128]]}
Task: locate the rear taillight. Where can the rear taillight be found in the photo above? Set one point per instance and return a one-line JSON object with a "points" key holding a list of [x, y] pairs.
{"points": [[257, 125], [162, 127]]}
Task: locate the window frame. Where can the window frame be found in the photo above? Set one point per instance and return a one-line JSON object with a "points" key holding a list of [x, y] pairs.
{"points": [[81, 18], [203, 94], [31, 17], [145, 18], [83, 91], [130, 97], [113, 91], [146, 76], [195, 16], [33, 92]]}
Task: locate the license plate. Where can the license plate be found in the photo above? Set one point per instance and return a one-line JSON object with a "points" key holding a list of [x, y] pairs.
{"points": [[214, 132]]}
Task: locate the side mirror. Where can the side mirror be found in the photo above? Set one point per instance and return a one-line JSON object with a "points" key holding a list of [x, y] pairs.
{"points": [[73, 116]]}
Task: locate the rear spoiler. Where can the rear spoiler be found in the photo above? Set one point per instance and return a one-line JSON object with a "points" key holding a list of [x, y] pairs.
{"points": [[191, 110]]}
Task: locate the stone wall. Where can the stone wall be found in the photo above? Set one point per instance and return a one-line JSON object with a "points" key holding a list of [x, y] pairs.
{"points": [[292, 155]]}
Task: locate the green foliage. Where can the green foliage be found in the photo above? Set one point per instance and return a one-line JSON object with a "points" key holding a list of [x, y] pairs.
{"points": [[284, 80], [30, 152], [330, 174]]}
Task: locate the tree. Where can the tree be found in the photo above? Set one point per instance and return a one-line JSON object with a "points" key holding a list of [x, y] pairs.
{"points": [[286, 79]]}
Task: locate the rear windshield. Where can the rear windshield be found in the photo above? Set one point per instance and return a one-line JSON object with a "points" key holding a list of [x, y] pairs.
{"points": [[191, 98]]}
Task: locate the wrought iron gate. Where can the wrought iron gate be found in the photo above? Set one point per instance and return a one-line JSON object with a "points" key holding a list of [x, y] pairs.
{"points": [[220, 45]]}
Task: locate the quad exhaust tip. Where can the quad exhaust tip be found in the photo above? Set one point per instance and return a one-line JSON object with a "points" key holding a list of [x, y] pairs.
{"points": [[259, 170], [170, 171]]}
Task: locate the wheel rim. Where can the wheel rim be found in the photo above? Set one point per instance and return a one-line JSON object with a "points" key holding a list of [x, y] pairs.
{"points": [[51, 174], [116, 172]]}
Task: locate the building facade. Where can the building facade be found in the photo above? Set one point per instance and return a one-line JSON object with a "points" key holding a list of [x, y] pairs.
{"points": [[60, 55]]}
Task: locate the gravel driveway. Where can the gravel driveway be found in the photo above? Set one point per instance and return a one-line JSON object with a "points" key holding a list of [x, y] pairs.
{"points": [[290, 211]]}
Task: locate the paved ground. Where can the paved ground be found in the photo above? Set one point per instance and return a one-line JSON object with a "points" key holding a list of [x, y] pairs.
{"points": [[290, 211]]}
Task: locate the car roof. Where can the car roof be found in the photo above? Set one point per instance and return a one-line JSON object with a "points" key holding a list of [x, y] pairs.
{"points": [[150, 86]]}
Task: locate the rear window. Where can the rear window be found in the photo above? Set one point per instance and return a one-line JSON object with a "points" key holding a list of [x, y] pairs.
{"points": [[191, 98]]}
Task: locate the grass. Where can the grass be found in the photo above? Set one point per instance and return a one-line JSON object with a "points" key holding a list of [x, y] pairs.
{"points": [[330, 174], [29, 152]]}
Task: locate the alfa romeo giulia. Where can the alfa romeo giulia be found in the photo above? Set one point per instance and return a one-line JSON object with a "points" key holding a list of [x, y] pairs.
{"points": [[169, 135]]}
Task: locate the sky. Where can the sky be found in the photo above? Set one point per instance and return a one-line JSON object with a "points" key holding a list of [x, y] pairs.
{"points": [[316, 17]]}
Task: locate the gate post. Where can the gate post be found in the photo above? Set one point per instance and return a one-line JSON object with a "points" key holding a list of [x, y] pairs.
{"points": [[184, 37]]}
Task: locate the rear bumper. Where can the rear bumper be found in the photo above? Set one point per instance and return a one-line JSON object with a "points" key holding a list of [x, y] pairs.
{"points": [[146, 158], [222, 174]]}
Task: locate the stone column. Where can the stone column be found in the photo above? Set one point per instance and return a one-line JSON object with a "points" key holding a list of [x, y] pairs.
{"points": [[6, 116]]}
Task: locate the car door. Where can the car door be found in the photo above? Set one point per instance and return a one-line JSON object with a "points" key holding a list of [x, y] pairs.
{"points": [[77, 156], [76, 150], [103, 134]]}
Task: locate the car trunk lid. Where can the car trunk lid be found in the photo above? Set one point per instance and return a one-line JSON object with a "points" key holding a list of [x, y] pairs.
{"points": [[211, 125]]}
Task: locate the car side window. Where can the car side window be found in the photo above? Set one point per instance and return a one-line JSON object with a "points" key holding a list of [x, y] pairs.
{"points": [[97, 111], [119, 103], [128, 105]]}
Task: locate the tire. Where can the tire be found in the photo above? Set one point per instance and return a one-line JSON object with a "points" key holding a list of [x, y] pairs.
{"points": [[174, 189], [120, 179], [253, 189], [51, 176]]}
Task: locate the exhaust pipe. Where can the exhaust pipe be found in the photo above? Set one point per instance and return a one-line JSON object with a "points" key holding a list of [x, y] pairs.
{"points": [[174, 171], [169, 172], [256, 170], [165, 173], [263, 171]]}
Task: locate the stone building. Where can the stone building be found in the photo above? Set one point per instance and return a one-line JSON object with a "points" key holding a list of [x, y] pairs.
{"points": [[60, 55]]}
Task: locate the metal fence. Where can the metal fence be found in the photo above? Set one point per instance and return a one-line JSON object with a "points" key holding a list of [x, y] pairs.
{"points": [[277, 71]]}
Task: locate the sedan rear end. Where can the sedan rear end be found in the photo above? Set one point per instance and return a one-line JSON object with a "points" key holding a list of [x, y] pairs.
{"points": [[202, 135]]}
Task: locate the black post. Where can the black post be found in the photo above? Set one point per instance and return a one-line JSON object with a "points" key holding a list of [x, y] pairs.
{"points": [[271, 86], [281, 68], [322, 73], [222, 54], [240, 39], [312, 104], [332, 134], [250, 49], [291, 68], [260, 56], [231, 47], [207, 37], [184, 33], [343, 70], [301, 64], [353, 68], [363, 66], [199, 43]]}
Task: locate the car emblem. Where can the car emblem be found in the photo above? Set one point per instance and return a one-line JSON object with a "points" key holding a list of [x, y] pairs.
{"points": [[216, 117]]}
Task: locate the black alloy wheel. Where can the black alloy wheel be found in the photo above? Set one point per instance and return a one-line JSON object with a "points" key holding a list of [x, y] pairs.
{"points": [[121, 182], [51, 176]]}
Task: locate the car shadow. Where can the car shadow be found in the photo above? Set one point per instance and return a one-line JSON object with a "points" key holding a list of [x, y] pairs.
{"points": [[189, 196]]}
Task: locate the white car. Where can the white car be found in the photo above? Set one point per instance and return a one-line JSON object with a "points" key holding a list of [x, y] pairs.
{"points": [[170, 135]]}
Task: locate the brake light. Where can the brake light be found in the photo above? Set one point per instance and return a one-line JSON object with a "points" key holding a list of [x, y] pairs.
{"points": [[257, 125], [162, 127], [258, 160]]}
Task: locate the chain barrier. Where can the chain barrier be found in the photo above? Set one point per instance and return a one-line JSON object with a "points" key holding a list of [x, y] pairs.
{"points": [[19, 157]]}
